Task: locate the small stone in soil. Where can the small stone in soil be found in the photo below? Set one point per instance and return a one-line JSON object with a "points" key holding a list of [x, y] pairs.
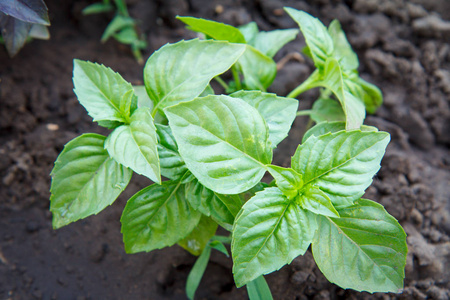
{"points": [[299, 277]]}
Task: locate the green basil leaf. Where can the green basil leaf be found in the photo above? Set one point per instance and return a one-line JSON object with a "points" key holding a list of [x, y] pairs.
{"points": [[258, 69], [249, 31], [270, 42], [171, 162], [365, 249], [26, 10], [213, 29], [156, 217], [101, 91], [221, 208], [288, 181], [317, 39], [343, 51], [313, 199], [143, 100], [278, 112], [353, 107], [197, 240], [134, 145], [326, 127], [126, 35], [269, 232], [180, 72], [207, 91], [223, 141], [118, 23], [341, 164], [219, 246], [326, 109], [196, 274], [258, 289], [85, 180], [367, 92], [97, 8]]}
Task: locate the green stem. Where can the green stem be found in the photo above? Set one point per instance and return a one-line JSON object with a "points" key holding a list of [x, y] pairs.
{"points": [[309, 83], [221, 82], [305, 112], [236, 78], [222, 239]]}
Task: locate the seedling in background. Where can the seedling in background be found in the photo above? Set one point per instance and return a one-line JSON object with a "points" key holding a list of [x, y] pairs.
{"points": [[215, 149], [123, 28], [21, 21]]}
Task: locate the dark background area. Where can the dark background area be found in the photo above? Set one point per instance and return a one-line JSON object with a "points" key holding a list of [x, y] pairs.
{"points": [[403, 47]]}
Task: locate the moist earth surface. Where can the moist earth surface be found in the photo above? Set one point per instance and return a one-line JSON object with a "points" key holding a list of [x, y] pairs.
{"points": [[403, 47]]}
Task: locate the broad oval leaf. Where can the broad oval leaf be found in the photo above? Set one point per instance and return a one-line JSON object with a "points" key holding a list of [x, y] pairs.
{"points": [[85, 180], [30, 11], [343, 51], [102, 92], [180, 72], [341, 164], [365, 249], [326, 109], [269, 232], [223, 141], [135, 145], [221, 208], [317, 39], [249, 31], [278, 112], [171, 163], [216, 30], [197, 240], [270, 42], [327, 127], [156, 217], [258, 69]]}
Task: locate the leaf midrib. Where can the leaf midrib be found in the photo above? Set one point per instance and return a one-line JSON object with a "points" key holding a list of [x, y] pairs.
{"points": [[224, 141], [139, 147], [162, 205], [340, 165], [94, 174], [271, 233], [106, 97], [360, 249]]}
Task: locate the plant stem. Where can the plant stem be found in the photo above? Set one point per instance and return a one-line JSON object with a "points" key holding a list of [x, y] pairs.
{"points": [[305, 112], [222, 239], [221, 82], [236, 78], [309, 83]]}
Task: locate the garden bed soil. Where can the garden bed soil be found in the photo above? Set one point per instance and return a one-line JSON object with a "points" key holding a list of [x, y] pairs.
{"points": [[403, 47]]}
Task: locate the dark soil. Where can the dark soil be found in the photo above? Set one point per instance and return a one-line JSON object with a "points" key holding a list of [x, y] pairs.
{"points": [[403, 46]]}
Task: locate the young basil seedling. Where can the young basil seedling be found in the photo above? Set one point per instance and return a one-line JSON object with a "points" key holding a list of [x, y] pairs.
{"points": [[122, 27], [215, 149]]}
